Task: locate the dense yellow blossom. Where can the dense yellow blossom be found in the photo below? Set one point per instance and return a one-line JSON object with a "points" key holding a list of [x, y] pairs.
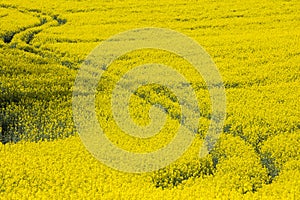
{"points": [[255, 45], [64, 169]]}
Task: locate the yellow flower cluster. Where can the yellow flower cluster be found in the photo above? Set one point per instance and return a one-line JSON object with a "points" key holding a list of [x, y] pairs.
{"points": [[35, 102], [65, 169], [255, 45]]}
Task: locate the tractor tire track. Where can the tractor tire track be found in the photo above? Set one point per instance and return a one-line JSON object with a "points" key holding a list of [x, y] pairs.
{"points": [[22, 38]]}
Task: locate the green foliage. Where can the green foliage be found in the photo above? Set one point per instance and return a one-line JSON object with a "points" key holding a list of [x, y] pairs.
{"points": [[177, 174], [280, 150], [34, 101], [238, 166]]}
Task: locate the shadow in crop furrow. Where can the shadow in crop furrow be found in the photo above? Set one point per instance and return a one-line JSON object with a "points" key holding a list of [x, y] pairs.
{"points": [[25, 35], [8, 37], [3, 15], [2, 5], [30, 36]]}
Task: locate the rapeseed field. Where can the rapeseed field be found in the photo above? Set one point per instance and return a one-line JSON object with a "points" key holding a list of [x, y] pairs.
{"points": [[255, 46]]}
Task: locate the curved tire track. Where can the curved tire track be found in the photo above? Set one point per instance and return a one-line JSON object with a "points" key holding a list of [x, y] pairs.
{"points": [[22, 38]]}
